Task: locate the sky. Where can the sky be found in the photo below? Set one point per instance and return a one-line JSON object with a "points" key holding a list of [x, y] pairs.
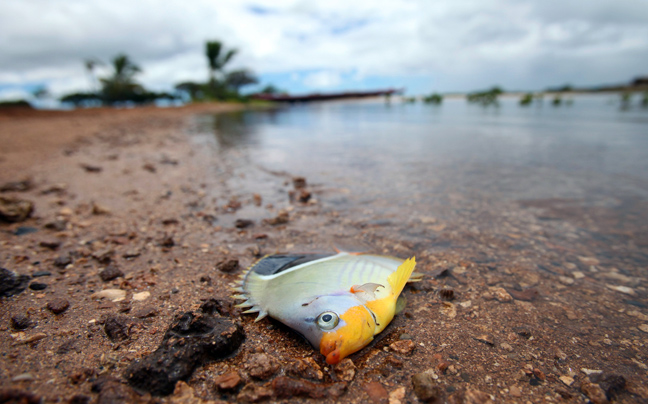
{"points": [[304, 46]]}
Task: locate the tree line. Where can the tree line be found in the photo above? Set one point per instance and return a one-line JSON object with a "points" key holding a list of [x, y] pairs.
{"points": [[120, 86]]}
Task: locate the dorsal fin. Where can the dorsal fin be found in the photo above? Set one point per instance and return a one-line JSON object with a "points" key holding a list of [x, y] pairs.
{"points": [[276, 263], [399, 277]]}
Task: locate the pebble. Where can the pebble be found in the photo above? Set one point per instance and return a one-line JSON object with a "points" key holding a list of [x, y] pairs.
{"points": [[110, 272], [565, 280], [425, 387], [306, 368], [141, 296], [526, 295], [146, 312], [52, 244], [20, 322], [31, 338], [594, 392], [376, 392], [98, 209], [568, 381], [115, 295], [261, 366], [243, 223], [397, 396], [62, 260], [643, 327], [622, 289], [591, 371], [252, 393], [38, 274], [12, 283], [228, 265], [501, 295], [15, 209], [117, 327], [486, 339], [37, 286], [345, 370], [515, 391], [24, 377], [403, 347], [227, 381], [58, 305]]}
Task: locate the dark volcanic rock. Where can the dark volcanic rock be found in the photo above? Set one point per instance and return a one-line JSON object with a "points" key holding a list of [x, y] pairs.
{"points": [[191, 340], [110, 272], [14, 209], [287, 387], [37, 286], [12, 283]]}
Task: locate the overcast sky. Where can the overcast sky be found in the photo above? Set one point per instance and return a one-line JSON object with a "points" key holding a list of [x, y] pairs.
{"points": [[307, 45]]}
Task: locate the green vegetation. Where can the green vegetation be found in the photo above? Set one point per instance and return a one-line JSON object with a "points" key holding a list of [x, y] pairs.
{"points": [[433, 98], [485, 98], [120, 86], [409, 100], [644, 100], [15, 104], [526, 99], [557, 101]]}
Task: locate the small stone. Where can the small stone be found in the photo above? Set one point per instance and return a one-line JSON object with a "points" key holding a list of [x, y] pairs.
{"points": [[62, 260], [261, 366], [506, 346], [578, 275], [110, 272], [643, 327], [501, 295], [228, 265], [594, 392], [251, 393], [243, 223], [146, 312], [397, 396], [227, 381], [486, 339], [588, 261], [539, 374], [167, 242], [622, 289], [345, 370], [58, 305], [37, 286], [376, 392], [306, 368], [568, 381], [24, 377], [19, 396], [141, 296], [20, 322], [58, 225], [98, 209], [591, 371], [299, 182], [15, 209], [115, 295], [565, 280], [38, 274], [515, 391], [91, 168], [23, 185], [117, 327], [403, 347], [425, 387], [31, 338], [282, 218], [52, 244], [470, 396], [304, 196]]}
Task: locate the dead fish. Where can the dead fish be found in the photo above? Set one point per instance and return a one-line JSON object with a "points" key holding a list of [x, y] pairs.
{"points": [[337, 302]]}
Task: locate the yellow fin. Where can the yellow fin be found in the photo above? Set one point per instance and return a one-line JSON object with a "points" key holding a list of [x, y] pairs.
{"points": [[399, 278]]}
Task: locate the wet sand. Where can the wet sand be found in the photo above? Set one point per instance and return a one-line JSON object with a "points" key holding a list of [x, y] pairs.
{"points": [[539, 300]]}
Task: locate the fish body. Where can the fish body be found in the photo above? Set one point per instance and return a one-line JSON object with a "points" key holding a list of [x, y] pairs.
{"points": [[338, 302]]}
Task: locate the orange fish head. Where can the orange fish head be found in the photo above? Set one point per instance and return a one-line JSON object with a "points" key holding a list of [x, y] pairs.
{"points": [[356, 329]]}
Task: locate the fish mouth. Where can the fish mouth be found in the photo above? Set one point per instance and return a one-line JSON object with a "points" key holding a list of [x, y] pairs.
{"points": [[331, 349]]}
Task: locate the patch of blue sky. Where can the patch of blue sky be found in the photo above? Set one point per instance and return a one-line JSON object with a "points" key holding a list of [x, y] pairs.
{"points": [[259, 10], [348, 26]]}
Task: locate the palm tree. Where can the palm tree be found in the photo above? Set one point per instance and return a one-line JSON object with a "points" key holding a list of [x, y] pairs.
{"points": [[90, 65], [216, 59], [121, 86], [240, 78]]}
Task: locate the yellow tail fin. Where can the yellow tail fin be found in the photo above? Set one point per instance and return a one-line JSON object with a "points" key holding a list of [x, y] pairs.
{"points": [[399, 278]]}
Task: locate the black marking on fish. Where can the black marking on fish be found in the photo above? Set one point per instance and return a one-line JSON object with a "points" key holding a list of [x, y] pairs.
{"points": [[277, 263]]}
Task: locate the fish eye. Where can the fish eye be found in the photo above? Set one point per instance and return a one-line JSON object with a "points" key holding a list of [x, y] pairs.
{"points": [[327, 320]]}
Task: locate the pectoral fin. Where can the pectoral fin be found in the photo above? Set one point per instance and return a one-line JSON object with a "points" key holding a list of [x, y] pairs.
{"points": [[366, 292]]}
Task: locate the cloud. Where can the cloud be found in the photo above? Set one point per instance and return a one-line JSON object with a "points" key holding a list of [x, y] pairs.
{"points": [[456, 44]]}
